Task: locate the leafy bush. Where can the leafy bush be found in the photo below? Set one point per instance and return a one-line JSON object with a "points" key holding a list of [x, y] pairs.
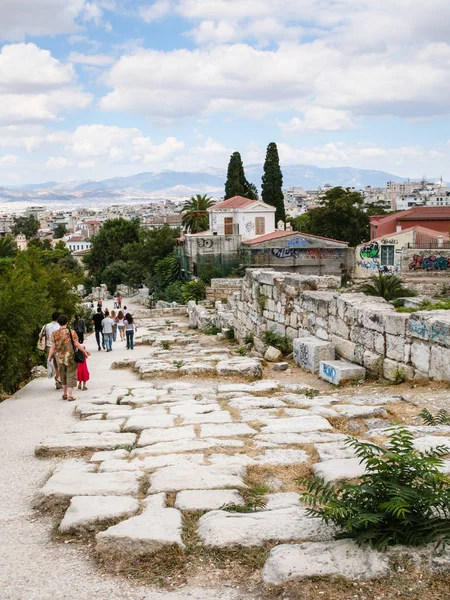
{"points": [[173, 293], [249, 339], [210, 328], [388, 287], [208, 272], [167, 271], [283, 343], [403, 498], [441, 418], [229, 334], [241, 351], [193, 290], [114, 275]]}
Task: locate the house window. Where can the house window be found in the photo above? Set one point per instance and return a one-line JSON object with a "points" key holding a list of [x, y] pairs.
{"points": [[387, 255], [228, 225], [260, 225]]}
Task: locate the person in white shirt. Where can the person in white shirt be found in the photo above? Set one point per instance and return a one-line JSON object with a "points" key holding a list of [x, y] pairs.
{"points": [[108, 328], [47, 333]]}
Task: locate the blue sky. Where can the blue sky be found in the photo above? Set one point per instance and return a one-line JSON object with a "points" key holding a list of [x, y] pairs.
{"points": [[100, 88]]}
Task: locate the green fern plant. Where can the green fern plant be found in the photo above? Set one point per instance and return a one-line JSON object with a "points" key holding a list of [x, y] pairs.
{"points": [[402, 499], [254, 499], [441, 418], [283, 343]]}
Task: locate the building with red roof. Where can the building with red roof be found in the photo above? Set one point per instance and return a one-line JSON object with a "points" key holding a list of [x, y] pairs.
{"points": [[436, 218]]}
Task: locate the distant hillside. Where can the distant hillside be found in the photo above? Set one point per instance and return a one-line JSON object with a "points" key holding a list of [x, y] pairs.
{"points": [[181, 183]]}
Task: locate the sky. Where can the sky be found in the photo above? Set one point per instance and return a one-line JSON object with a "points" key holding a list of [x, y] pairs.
{"points": [[91, 89]]}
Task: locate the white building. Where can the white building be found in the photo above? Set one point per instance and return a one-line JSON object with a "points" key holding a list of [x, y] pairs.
{"points": [[77, 243], [243, 217]]}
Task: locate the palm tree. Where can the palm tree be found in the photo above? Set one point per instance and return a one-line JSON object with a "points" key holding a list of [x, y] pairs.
{"points": [[388, 287], [195, 213], [8, 248]]}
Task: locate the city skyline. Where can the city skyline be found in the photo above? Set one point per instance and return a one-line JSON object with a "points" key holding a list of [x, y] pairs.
{"points": [[92, 90]]}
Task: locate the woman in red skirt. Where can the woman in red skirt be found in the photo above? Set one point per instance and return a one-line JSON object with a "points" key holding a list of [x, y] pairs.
{"points": [[82, 374]]}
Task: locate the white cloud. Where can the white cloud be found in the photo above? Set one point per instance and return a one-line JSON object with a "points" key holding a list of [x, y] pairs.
{"points": [[19, 18], [249, 81], [8, 159], [156, 10], [35, 87], [57, 162], [318, 119], [95, 60]]}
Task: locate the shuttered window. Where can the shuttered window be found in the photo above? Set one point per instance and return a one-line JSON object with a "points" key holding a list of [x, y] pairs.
{"points": [[260, 225]]}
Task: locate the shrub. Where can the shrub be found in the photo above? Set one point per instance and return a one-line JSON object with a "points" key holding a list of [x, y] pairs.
{"points": [[165, 344], [283, 343], [241, 351], [208, 272], [249, 338], [193, 290], [403, 498], [229, 334], [210, 328], [173, 293], [388, 287], [441, 418]]}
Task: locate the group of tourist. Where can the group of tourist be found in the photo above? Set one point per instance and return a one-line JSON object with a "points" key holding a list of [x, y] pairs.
{"points": [[107, 324], [66, 353]]}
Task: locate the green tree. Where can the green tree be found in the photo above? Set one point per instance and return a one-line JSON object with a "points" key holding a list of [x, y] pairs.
{"points": [[195, 213], [389, 287], [167, 271], [340, 216], [143, 254], [236, 183], [8, 247], [59, 231], [115, 274], [301, 223], [272, 183], [109, 244], [29, 226], [193, 290]]}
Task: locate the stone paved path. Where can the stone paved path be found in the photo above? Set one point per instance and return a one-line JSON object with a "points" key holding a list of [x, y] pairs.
{"points": [[177, 429]]}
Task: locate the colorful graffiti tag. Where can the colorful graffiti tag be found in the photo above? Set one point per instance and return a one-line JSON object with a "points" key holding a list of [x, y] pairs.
{"points": [[297, 242], [310, 253], [371, 265], [370, 250], [429, 263]]}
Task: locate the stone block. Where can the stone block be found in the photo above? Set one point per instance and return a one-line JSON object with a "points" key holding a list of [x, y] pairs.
{"points": [[272, 354], [344, 348], [372, 362], [392, 370], [297, 425], [195, 477], [440, 363], [339, 469], [420, 356], [339, 371], [342, 558], [395, 347], [396, 323], [241, 366], [192, 500], [87, 513], [309, 351], [338, 327]]}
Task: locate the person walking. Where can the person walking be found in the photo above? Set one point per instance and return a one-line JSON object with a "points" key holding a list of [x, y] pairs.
{"points": [[108, 328], [121, 325], [97, 320], [79, 326], [82, 374], [47, 333], [99, 304], [64, 342], [114, 318], [115, 302], [129, 330], [119, 301]]}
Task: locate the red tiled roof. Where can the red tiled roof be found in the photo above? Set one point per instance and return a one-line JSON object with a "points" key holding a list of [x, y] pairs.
{"points": [[234, 202], [412, 214], [280, 234], [76, 238]]}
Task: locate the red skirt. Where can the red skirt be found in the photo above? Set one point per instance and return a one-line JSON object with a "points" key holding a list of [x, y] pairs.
{"points": [[82, 372]]}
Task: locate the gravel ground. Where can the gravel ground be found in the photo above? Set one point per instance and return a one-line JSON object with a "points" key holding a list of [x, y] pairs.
{"points": [[32, 567]]}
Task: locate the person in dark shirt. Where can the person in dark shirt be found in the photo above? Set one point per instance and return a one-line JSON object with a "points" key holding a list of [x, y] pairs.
{"points": [[97, 321]]}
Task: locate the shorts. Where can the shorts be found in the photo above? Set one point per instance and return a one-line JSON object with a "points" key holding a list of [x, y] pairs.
{"points": [[68, 374]]}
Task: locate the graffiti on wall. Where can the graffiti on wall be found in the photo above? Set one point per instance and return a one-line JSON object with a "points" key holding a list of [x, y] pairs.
{"points": [[429, 263], [328, 372], [435, 332], [370, 250], [310, 253], [297, 242], [204, 243], [371, 265]]}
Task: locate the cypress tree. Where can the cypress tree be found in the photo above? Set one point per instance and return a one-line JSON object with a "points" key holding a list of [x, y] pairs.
{"points": [[272, 183], [236, 183]]}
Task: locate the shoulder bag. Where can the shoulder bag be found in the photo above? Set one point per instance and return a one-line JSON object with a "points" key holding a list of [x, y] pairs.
{"points": [[77, 354]]}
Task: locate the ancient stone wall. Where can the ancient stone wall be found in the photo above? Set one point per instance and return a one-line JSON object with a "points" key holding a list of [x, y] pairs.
{"points": [[222, 288], [364, 330]]}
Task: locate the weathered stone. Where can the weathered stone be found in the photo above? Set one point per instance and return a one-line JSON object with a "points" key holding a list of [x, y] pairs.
{"points": [[342, 558], [272, 354], [87, 513], [344, 349], [297, 425], [96, 426], [149, 532], [393, 371], [154, 436], [140, 422], [216, 416], [184, 446], [440, 363], [350, 411], [420, 356], [192, 500], [194, 477], [339, 371], [66, 442], [282, 500], [309, 351], [65, 484], [430, 442], [282, 457], [242, 366], [334, 450], [115, 464], [281, 366], [109, 455], [150, 463], [220, 529], [225, 430], [248, 402], [339, 469]]}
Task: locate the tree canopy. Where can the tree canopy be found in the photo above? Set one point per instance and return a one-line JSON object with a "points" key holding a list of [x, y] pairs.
{"points": [[272, 183], [195, 213], [29, 226], [59, 231], [236, 183], [340, 216]]}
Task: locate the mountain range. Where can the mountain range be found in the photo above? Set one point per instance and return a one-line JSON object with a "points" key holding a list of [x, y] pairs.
{"points": [[185, 183]]}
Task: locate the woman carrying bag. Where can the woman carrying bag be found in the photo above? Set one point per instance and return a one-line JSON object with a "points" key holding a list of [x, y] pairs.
{"points": [[68, 352]]}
